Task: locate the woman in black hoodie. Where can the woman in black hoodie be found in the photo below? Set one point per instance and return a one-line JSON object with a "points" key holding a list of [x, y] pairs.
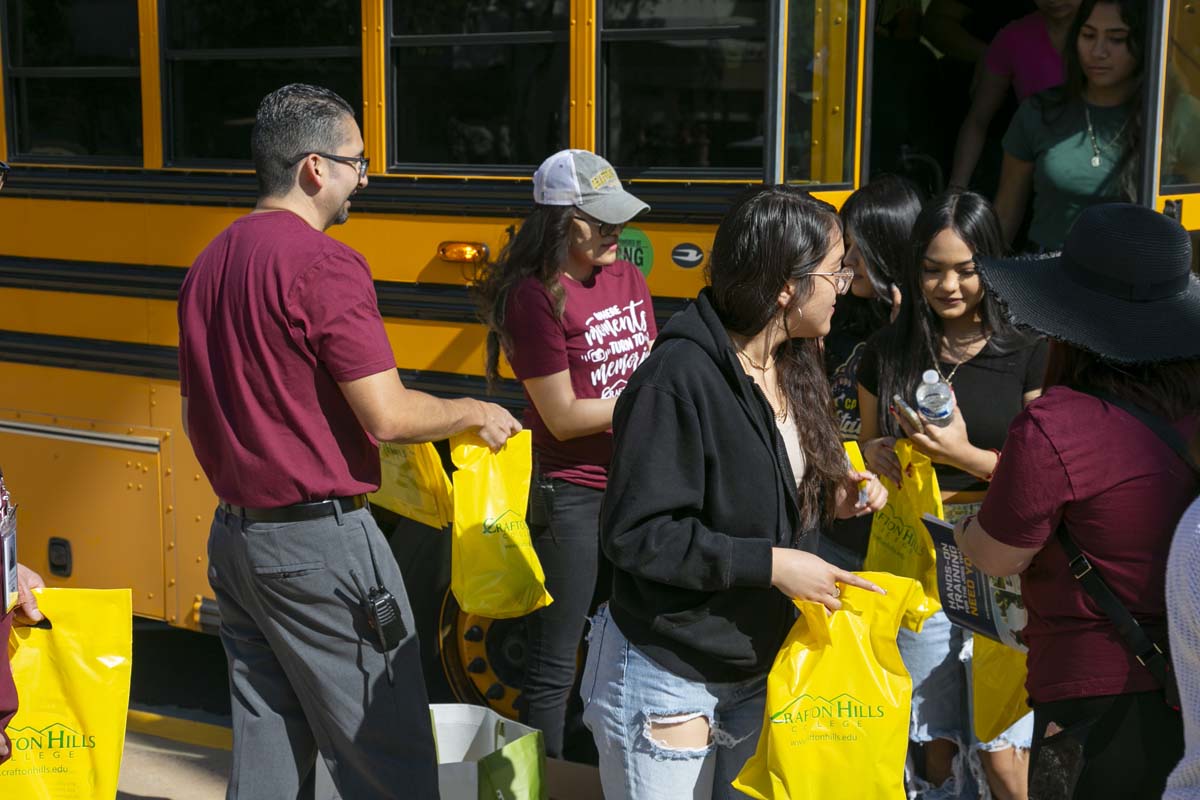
{"points": [[726, 461]]}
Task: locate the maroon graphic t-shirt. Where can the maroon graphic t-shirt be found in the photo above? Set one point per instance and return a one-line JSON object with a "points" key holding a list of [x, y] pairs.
{"points": [[605, 332]]}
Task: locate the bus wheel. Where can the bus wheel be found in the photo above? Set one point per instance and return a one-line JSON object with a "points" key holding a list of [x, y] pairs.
{"points": [[483, 658]]}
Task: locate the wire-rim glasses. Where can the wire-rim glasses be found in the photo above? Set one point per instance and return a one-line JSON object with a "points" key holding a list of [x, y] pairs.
{"points": [[841, 279]]}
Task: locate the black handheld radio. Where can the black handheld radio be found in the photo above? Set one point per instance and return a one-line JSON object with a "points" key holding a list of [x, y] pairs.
{"points": [[383, 614]]}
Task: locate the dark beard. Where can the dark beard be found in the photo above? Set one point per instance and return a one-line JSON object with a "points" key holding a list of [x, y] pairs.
{"points": [[342, 215]]}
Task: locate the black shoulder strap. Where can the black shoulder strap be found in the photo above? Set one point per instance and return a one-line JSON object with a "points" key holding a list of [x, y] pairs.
{"points": [[1133, 635], [1156, 424]]}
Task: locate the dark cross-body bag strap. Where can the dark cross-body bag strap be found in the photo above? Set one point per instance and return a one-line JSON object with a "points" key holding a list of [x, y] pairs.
{"points": [[1133, 635]]}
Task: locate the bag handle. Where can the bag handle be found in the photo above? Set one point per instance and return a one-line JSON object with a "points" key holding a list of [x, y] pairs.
{"points": [[817, 618]]}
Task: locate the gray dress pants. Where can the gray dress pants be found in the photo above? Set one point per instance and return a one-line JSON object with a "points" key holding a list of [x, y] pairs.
{"points": [[305, 671]]}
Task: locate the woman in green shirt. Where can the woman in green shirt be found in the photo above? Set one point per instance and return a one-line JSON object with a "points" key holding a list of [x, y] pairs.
{"points": [[1077, 145]]}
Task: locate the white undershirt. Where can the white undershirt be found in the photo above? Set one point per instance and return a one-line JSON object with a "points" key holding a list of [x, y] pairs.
{"points": [[791, 440]]}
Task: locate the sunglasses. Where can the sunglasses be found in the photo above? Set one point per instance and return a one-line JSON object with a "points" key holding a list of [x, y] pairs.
{"points": [[604, 228], [358, 162], [841, 279]]}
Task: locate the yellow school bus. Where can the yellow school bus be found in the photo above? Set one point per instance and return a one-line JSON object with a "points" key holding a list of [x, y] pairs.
{"points": [[127, 124]]}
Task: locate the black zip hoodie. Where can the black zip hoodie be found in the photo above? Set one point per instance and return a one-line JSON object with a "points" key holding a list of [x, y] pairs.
{"points": [[699, 491]]}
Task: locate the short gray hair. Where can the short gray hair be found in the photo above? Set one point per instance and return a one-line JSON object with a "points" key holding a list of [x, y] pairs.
{"points": [[291, 122]]}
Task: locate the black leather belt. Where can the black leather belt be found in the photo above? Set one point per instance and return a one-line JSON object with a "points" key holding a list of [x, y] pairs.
{"points": [[299, 512]]}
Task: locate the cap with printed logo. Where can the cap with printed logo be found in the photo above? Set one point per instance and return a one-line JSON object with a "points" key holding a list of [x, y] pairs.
{"points": [[585, 180]]}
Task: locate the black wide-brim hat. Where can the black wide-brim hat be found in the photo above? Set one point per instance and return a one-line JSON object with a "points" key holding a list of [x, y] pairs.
{"points": [[1122, 287]]}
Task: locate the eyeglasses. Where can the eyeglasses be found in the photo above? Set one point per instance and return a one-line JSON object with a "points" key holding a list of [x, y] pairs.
{"points": [[841, 279], [3, 173], [605, 228], [358, 162]]}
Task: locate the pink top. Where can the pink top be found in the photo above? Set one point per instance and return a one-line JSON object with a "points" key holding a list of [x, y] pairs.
{"points": [[605, 332], [1022, 52], [272, 316], [1120, 489]]}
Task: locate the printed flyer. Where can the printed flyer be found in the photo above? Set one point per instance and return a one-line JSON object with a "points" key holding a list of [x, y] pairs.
{"points": [[988, 606]]}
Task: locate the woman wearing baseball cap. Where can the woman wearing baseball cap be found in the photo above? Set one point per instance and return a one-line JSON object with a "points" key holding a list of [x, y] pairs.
{"points": [[1093, 478], [574, 321]]}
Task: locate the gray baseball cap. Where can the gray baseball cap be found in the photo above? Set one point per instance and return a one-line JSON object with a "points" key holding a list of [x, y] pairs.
{"points": [[588, 182]]}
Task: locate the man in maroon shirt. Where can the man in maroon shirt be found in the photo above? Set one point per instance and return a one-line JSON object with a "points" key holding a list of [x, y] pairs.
{"points": [[288, 382]]}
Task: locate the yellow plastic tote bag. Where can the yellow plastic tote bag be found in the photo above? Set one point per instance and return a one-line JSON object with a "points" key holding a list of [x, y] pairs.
{"points": [[839, 700], [413, 484], [494, 571], [73, 683], [900, 543], [997, 687]]}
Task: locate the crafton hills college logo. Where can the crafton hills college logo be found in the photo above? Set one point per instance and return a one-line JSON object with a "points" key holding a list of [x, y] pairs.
{"points": [[508, 522], [826, 712], [56, 736]]}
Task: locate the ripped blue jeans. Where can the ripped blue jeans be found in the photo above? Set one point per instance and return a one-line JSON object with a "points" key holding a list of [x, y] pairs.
{"points": [[938, 659], [625, 693]]}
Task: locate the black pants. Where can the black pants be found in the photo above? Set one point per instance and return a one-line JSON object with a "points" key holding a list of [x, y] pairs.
{"points": [[1118, 746], [564, 521]]}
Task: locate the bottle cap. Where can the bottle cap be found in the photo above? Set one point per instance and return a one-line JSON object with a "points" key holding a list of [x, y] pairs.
{"points": [[930, 376]]}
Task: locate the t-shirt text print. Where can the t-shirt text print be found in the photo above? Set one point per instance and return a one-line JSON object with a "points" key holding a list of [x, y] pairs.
{"points": [[604, 333], [618, 338]]}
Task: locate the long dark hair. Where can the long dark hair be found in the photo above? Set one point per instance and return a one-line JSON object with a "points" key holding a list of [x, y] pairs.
{"points": [[537, 248], [773, 235], [879, 219], [906, 348], [1170, 390], [1056, 103]]}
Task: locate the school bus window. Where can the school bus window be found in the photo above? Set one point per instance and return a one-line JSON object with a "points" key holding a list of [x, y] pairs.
{"points": [[482, 85], [221, 57], [821, 61], [1181, 108], [72, 80], [684, 83]]}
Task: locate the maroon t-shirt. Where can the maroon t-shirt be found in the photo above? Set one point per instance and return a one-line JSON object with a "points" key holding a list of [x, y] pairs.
{"points": [[1070, 456], [605, 332], [272, 316]]}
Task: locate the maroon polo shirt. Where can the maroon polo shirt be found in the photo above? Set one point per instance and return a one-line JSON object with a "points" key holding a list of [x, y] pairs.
{"points": [[272, 316], [1070, 456]]}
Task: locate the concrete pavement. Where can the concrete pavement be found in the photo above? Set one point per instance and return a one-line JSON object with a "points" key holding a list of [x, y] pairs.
{"points": [[160, 769], [172, 758]]}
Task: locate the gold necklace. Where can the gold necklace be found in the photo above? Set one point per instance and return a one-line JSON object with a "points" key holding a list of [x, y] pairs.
{"points": [[781, 413], [753, 363], [947, 379]]}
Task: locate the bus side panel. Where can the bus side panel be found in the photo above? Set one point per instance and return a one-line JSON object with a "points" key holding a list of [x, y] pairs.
{"points": [[188, 504], [102, 500]]}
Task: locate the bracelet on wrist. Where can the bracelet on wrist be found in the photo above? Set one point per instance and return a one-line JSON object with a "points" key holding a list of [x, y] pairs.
{"points": [[988, 477]]}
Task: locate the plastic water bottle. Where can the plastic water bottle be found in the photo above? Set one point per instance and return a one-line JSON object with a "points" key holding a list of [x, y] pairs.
{"points": [[935, 400]]}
